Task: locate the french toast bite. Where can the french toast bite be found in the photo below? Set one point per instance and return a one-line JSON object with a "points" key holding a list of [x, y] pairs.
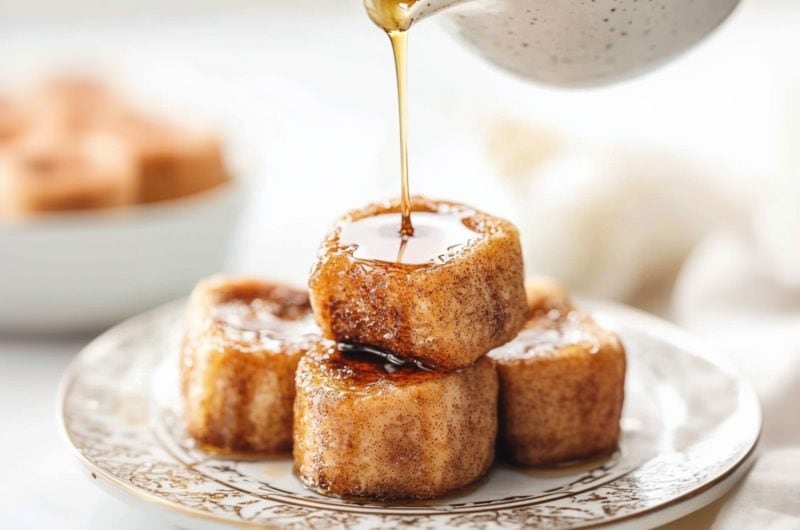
{"points": [[172, 161], [13, 119], [444, 296], [45, 172], [561, 384], [368, 426], [243, 340], [76, 104]]}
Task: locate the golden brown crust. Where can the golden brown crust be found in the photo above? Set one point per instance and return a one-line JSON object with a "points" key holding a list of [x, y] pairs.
{"points": [[243, 340], [445, 314], [561, 384], [363, 431]]}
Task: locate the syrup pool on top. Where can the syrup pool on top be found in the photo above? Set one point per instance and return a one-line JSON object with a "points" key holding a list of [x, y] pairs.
{"points": [[436, 236]]}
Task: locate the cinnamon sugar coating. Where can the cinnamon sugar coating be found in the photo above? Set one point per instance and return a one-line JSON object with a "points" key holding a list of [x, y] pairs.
{"points": [[561, 384], [365, 429], [243, 340], [446, 313]]}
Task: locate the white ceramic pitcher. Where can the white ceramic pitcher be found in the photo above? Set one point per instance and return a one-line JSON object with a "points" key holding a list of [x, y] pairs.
{"points": [[575, 42]]}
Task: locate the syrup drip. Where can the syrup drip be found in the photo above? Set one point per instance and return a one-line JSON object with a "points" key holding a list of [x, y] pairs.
{"points": [[392, 16], [391, 362], [399, 41]]}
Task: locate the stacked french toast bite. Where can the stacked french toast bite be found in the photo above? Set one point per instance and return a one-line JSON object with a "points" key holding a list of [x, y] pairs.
{"points": [[424, 359], [370, 427], [415, 377], [445, 310]]}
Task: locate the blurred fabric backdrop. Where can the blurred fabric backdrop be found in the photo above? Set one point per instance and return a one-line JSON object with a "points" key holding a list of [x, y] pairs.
{"points": [[613, 188], [678, 191]]}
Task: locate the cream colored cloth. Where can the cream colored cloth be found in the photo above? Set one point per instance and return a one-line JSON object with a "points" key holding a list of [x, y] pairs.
{"points": [[618, 222], [660, 232], [734, 296]]}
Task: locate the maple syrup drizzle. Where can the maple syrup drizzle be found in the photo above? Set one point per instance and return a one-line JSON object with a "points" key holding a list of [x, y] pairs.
{"points": [[393, 17], [399, 41], [388, 361]]}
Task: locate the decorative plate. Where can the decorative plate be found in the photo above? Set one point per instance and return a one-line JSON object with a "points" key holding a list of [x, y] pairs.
{"points": [[690, 429]]}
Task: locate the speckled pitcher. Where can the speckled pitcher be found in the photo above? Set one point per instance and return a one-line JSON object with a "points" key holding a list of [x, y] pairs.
{"points": [[578, 42]]}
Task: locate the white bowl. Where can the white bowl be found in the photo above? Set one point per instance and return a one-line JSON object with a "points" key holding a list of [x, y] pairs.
{"points": [[70, 272]]}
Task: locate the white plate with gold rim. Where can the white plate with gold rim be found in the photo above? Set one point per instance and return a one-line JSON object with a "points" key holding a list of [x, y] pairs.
{"points": [[690, 430]]}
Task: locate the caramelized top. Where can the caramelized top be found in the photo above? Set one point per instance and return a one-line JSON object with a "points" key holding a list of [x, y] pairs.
{"points": [[549, 333], [553, 325], [353, 367], [258, 315], [443, 231]]}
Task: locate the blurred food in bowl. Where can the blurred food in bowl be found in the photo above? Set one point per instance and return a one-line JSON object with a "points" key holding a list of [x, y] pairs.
{"points": [[45, 172], [12, 119], [105, 210], [172, 162], [76, 144]]}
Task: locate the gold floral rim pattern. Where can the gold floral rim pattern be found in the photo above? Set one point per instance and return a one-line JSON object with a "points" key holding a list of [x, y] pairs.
{"points": [[689, 423]]}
